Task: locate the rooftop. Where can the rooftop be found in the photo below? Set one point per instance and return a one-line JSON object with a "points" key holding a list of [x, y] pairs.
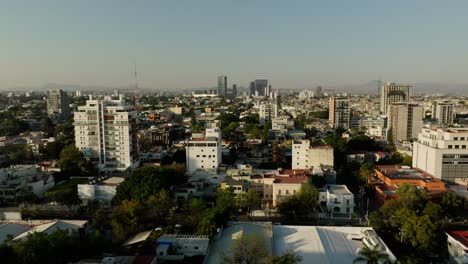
{"points": [[460, 236], [404, 173]]}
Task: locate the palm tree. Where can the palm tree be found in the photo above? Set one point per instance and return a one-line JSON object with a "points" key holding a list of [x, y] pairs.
{"points": [[371, 255]]}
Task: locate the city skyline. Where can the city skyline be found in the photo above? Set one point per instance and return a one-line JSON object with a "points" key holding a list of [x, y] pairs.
{"points": [[296, 45]]}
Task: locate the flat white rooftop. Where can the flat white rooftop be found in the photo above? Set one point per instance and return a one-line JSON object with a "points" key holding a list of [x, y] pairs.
{"points": [[321, 244]]}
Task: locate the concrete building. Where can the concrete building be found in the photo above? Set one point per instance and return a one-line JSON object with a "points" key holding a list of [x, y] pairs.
{"points": [[58, 104], [443, 153], [222, 86], [282, 123], [327, 244], [305, 156], [18, 180], [392, 93], [204, 150], [406, 120], [443, 112], [106, 132], [375, 127], [457, 245], [101, 190], [388, 178], [268, 111], [176, 247], [339, 113], [337, 199]]}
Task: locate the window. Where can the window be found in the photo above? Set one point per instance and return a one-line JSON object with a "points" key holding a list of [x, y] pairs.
{"points": [[195, 247], [279, 192], [450, 146], [455, 138], [457, 146]]}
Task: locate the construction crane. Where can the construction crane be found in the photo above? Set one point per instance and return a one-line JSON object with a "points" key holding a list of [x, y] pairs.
{"points": [[136, 96]]}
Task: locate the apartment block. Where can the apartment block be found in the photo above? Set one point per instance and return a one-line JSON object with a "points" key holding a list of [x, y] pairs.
{"points": [[392, 93], [305, 156], [406, 120], [58, 104], [204, 150], [339, 113], [443, 153], [106, 131], [268, 111], [443, 112]]}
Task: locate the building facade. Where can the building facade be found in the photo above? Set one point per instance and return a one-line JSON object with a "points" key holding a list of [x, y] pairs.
{"points": [[443, 112], [339, 113], [306, 157], [337, 199], [222, 85], [106, 131], [392, 93], [58, 104], [268, 111], [443, 153], [204, 150], [406, 120]]}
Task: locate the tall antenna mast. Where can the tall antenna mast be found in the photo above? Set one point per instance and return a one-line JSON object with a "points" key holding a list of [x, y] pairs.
{"points": [[136, 96]]}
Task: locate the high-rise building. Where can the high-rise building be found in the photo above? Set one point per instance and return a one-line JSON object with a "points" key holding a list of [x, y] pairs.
{"points": [[268, 111], [204, 150], [339, 113], [261, 87], [443, 112], [106, 132], [268, 91], [58, 104], [318, 92], [393, 93], [222, 85], [252, 88], [443, 153], [234, 91], [406, 120]]}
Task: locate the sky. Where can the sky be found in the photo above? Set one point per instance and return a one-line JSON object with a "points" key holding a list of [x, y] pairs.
{"points": [[188, 43]]}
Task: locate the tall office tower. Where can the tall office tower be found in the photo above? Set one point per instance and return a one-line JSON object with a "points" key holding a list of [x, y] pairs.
{"points": [[339, 114], [222, 85], [443, 112], [268, 91], [106, 132], [252, 88], [58, 104], [204, 150], [318, 92], [234, 91], [406, 120], [261, 86], [268, 111], [393, 93], [443, 153]]}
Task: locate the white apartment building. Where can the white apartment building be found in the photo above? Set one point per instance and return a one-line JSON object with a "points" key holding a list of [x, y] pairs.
{"points": [[106, 131], [443, 153], [204, 150], [282, 123], [102, 191], [406, 120], [339, 113], [268, 111], [443, 112], [392, 93], [337, 199], [305, 156], [58, 104], [375, 127]]}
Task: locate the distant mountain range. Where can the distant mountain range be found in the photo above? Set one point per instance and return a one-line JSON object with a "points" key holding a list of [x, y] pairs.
{"points": [[366, 88]]}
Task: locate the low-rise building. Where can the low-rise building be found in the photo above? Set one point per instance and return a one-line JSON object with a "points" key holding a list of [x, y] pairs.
{"points": [[204, 150], [18, 180], [388, 178], [99, 190], [177, 247], [457, 244], [305, 156], [337, 199]]}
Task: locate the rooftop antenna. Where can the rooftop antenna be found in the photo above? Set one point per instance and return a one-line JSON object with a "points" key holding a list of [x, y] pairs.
{"points": [[135, 91]]}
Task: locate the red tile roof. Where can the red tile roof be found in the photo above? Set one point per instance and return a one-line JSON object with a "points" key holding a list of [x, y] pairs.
{"points": [[460, 236]]}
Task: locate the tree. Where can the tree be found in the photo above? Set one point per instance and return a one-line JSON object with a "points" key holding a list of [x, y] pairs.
{"points": [[433, 210], [148, 180], [289, 257], [47, 127], [179, 156], [301, 204], [411, 197], [371, 255], [450, 202], [247, 249], [251, 201], [160, 205], [126, 219], [72, 162]]}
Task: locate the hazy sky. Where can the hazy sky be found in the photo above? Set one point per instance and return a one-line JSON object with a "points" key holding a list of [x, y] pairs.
{"points": [[178, 44]]}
